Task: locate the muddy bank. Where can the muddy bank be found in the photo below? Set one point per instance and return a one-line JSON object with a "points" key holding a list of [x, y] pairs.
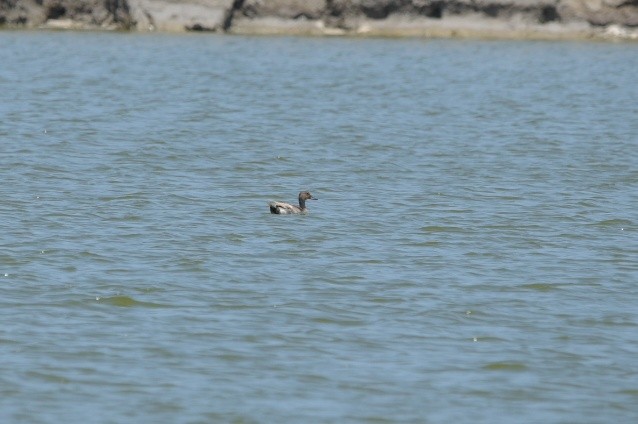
{"points": [[503, 19]]}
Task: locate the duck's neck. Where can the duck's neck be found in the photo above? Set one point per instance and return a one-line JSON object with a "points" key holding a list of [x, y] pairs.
{"points": [[302, 204]]}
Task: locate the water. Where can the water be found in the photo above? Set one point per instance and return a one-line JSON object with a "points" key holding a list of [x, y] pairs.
{"points": [[471, 257]]}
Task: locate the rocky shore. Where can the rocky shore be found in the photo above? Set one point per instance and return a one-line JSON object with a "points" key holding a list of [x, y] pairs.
{"points": [[497, 19]]}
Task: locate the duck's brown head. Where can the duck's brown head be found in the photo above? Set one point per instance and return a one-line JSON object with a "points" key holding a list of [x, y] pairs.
{"points": [[305, 195]]}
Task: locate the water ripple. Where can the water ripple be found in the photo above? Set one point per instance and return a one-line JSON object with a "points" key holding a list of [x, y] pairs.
{"points": [[472, 253]]}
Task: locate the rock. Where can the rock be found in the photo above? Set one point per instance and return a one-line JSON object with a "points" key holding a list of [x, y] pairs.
{"points": [[21, 13], [601, 12], [65, 14], [179, 15], [279, 17], [617, 32], [286, 9], [537, 11]]}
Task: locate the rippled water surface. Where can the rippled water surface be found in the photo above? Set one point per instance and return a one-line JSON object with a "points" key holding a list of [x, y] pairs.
{"points": [[472, 256]]}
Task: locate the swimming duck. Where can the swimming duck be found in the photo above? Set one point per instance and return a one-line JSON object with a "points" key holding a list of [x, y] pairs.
{"points": [[281, 208]]}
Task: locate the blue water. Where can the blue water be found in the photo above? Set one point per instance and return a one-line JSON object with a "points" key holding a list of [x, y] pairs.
{"points": [[471, 257]]}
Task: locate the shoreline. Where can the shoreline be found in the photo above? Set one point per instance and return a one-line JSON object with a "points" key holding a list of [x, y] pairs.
{"points": [[463, 31], [549, 20], [451, 29]]}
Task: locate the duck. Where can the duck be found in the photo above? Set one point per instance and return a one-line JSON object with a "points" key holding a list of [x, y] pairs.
{"points": [[281, 208]]}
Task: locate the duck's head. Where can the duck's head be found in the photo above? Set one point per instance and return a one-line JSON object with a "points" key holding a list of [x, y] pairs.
{"points": [[305, 195]]}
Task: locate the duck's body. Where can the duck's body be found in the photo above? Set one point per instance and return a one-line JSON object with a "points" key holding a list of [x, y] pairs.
{"points": [[281, 208]]}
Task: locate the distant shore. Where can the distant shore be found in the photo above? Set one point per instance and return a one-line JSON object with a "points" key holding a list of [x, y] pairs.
{"points": [[482, 19]]}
